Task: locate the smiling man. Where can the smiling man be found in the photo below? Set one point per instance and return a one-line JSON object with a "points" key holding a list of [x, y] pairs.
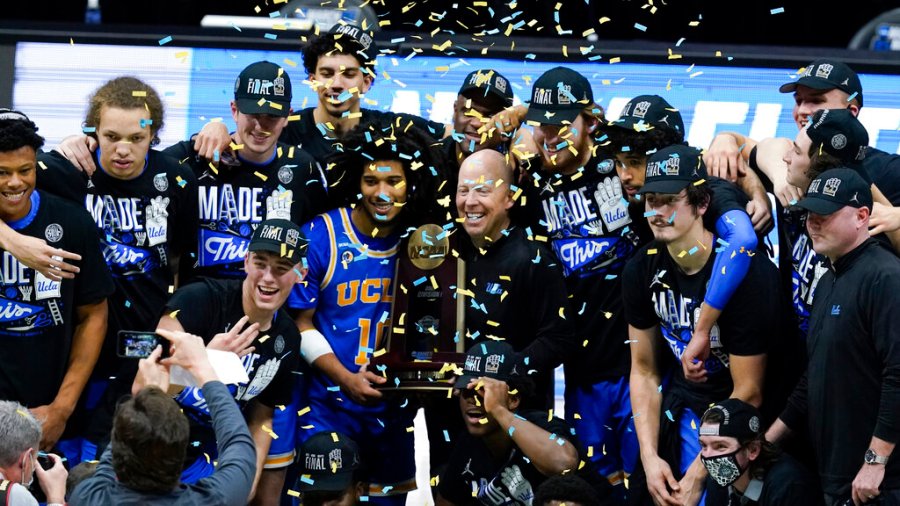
{"points": [[504, 267], [345, 304], [52, 331], [507, 450], [244, 316]]}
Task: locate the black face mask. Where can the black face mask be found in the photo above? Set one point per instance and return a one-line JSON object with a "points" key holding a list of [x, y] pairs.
{"points": [[724, 469]]}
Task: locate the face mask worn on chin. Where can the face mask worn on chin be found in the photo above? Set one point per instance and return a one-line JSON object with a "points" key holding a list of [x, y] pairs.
{"points": [[724, 469]]}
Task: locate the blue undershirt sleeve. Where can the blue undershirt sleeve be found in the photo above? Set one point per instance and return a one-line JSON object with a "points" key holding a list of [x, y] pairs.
{"points": [[737, 240]]}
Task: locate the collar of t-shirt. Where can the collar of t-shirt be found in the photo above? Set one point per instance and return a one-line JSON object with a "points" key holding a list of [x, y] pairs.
{"points": [[751, 494]]}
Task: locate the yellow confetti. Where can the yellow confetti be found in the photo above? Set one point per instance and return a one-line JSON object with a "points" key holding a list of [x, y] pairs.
{"points": [[304, 411], [411, 428], [138, 93], [604, 19], [266, 337], [174, 314], [270, 432], [334, 437], [651, 251], [616, 59], [261, 175]]}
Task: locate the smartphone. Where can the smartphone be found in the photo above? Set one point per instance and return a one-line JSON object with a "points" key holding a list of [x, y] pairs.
{"points": [[139, 344], [44, 460]]}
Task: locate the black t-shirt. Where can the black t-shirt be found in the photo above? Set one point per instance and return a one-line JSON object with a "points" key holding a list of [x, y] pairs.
{"points": [[319, 142], [657, 292], [37, 317], [233, 200], [475, 476], [787, 483], [884, 169], [143, 225], [210, 306], [594, 231]]}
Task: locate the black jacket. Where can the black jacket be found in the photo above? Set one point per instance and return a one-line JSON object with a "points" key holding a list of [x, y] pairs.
{"points": [[851, 389]]}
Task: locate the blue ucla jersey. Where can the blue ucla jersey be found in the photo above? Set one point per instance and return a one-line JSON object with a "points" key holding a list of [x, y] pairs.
{"points": [[350, 285]]}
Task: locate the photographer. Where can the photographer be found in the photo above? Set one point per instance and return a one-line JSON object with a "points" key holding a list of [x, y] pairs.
{"points": [[150, 437], [21, 436]]}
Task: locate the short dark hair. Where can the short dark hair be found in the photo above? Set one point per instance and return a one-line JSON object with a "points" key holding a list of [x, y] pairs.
{"points": [[149, 442], [18, 133], [326, 45], [768, 452], [820, 161], [566, 487], [642, 143], [79, 473], [414, 149], [698, 195], [120, 92]]}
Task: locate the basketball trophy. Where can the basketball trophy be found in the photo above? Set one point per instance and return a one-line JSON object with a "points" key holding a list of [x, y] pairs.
{"points": [[426, 339]]}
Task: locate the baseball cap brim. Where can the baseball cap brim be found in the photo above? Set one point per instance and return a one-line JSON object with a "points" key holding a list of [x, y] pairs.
{"points": [[487, 96], [463, 381], [816, 83], [549, 117], [252, 106], [326, 482], [669, 186], [819, 205], [293, 254]]}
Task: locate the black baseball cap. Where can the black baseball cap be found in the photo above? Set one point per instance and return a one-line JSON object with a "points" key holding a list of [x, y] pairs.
{"points": [[327, 462], [282, 237], [12, 115], [739, 420], [834, 189], [839, 134], [558, 96], [491, 359], [263, 88], [827, 74], [672, 169], [362, 38], [646, 112], [487, 83]]}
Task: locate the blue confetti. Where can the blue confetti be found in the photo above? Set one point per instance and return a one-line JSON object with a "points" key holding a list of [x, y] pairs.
{"points": [[649, 214], [778, 10], [270, 36], [165, 40]]}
